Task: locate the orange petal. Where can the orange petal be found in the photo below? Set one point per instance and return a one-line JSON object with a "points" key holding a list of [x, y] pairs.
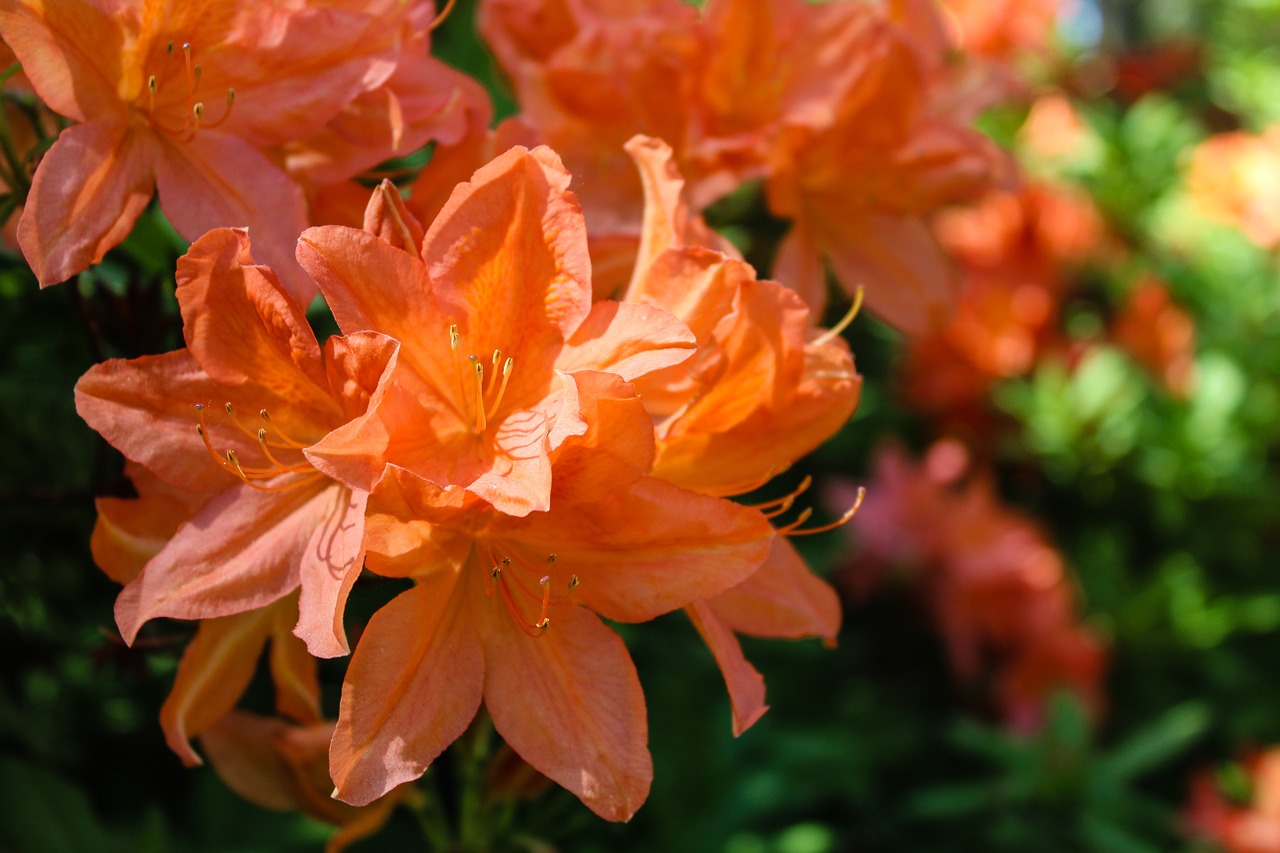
{"points": [[243, 327], [746, 685], [508, 257], [130, 531], [627, 339], [70, 50], [146, 408], [242, 551], [242, 749], [88, 190], [907, 280], [218, 180], [798, 265], [413, 686], [569, 702], [293, 670], [782, 598], [329, 568], [214, 673], [415, 528], [388, 218]]}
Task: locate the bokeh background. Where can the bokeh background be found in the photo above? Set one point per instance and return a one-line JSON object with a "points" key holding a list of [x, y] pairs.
{"points": [[1062, 597]]}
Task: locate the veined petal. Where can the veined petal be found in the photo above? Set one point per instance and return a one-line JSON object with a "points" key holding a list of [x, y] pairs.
{"points": [[87, 192], [130, 531], [242, 551], [413, 686], [217, 180], [243, 327], [214, 673], [570, 703], [745, 684], [798, 265], [146, 408], [782, 598], [644, 549], [293, 670], [508, 257], [70, 51], [627, 339], [330, 566]]}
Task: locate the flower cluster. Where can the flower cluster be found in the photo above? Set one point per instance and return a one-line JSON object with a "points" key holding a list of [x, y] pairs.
{"points": [[997, 590], [529, 459]]}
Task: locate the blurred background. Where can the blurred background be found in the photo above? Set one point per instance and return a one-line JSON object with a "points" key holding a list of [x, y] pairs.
{"points": [[1062, 595]]}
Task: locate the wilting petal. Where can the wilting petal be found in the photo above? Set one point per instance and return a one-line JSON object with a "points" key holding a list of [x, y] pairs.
{"points": [[214, 673], [330, 568], [146, 408], [570, 704], [240, 552], [746, 685], [627, 339], [220, 180], [88, 190], [782, 598], [413, 686]]}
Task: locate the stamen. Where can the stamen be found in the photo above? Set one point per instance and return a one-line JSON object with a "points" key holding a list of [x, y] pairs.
{"points": [[152, 88], [832, 333], [231, 100], [454, 337], [573, 582], [790, 529], [296, 445], [439, 19], [477, 370], [502, 389], [789, 498]]}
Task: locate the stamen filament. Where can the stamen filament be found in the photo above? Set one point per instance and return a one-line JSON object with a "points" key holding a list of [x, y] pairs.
{"points": [[790, 530], [788, 498], [281, 434], [834, 332], [502, 389], [439, 19]]}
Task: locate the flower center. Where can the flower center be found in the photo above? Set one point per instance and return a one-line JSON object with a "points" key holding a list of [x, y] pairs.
{"points": [[176, 86], [511, 577], [273, 443], [479, 401]]}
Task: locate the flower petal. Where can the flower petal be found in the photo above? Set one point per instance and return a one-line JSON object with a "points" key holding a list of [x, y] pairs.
{"points": [[782, 598], [242, 551], [214, 673], [218, 180], [387, 218], [746, 685], [146, 408], [87, 192], [570, 703], [330, 567], [627, 339], [413, 686]]}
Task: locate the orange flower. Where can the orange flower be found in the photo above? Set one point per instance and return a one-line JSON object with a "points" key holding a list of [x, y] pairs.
{"points": [[504, 612], [1159, 335], [183, 97], [1235, 177], [232, 417], [765, 389], [496, 327], [1253, 827]]}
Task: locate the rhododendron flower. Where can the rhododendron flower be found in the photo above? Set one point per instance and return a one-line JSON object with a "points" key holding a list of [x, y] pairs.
{"points": [[495, 320], [998, 591], [232, 416], [183, 99], [1235, 177], [765, 389], [505, 608], [1253, 827]]}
